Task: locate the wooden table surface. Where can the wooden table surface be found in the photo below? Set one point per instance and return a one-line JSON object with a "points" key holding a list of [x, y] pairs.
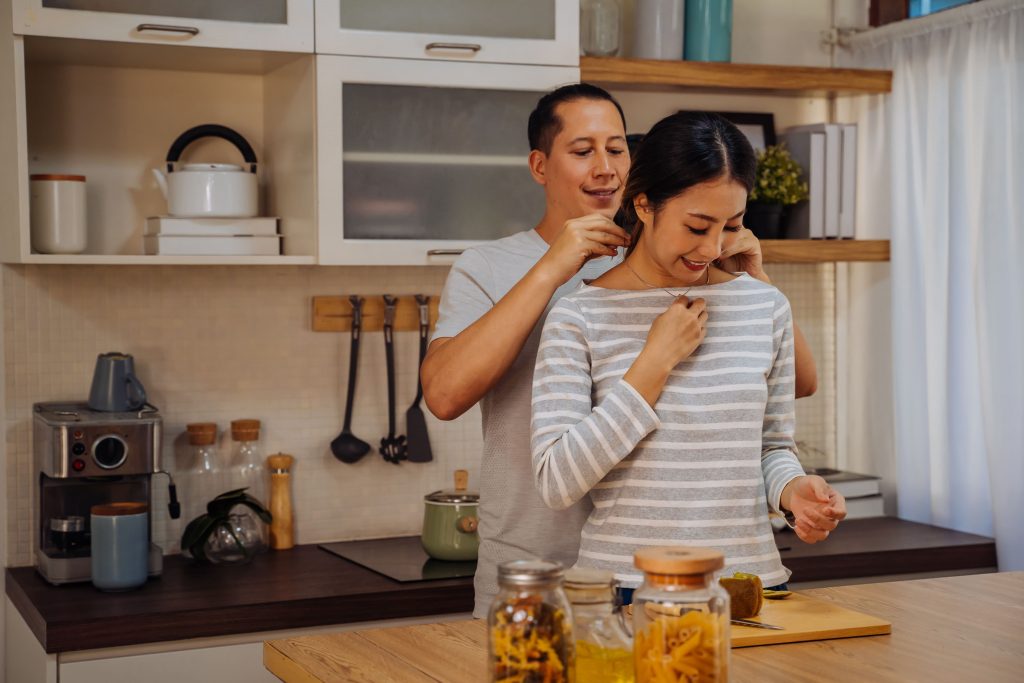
{"points": [[964, 628]]}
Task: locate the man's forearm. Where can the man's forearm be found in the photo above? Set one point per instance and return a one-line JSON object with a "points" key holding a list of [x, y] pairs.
{"points": [[458, 371], [806, 381]]}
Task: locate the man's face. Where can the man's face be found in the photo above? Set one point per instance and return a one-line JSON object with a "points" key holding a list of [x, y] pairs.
{"points": [[586, 169]]}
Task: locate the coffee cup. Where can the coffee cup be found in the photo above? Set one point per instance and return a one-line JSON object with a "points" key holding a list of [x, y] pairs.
{"points": [[115, 388], [57, 214]]}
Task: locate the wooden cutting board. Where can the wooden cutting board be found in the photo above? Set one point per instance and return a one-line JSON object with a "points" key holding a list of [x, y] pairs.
{"points": [[805, 618]]}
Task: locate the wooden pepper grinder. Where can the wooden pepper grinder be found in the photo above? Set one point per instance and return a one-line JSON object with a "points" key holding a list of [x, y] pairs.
{"points": [[282, 529]]}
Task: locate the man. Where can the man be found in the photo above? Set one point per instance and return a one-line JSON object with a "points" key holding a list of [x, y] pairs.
{"points": [[493, 307]]}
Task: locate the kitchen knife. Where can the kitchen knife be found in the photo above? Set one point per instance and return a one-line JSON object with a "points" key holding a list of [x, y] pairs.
{"points": [[756, 624]]}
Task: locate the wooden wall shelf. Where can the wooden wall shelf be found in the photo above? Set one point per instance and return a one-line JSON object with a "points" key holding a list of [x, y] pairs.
{"points": [[823, 251], [728, 76]]}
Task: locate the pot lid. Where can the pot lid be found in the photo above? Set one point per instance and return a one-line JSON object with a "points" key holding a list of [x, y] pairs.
{"points": [[221, 168], [459, 495], [452, 497]]}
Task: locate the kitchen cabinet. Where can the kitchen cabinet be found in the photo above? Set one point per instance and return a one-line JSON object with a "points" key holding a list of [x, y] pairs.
{"points": [[110, 111], [524, 32], [277, 25], [418, 160]]}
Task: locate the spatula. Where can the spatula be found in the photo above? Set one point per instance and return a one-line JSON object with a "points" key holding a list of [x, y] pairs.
{"points": [[418, 441]]}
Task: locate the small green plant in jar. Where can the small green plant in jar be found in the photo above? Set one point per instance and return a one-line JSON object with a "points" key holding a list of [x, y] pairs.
{"points": [[778, 183]]}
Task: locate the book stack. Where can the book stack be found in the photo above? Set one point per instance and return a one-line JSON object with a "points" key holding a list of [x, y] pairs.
{"points": [[827, 152], [863, 492], [172, 236]]}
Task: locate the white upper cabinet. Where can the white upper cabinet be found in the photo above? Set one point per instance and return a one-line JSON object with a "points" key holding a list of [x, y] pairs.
{"points": [[274, 25], [418, 160], [521, 32]]}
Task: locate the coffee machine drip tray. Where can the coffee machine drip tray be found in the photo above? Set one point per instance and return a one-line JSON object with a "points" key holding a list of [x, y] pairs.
{"points": [[402, 559], [72, 569]]}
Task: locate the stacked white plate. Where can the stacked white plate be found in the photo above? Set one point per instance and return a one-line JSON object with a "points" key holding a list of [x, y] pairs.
{"points": [[169, 235]]}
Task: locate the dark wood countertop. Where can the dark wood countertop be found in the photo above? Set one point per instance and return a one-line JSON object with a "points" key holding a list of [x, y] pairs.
{"points": [[884, 545], [306, 586], [289, 589]]}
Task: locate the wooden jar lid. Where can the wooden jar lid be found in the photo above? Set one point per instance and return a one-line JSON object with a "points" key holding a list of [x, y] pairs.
{"points": [[678, 560], [57, 176], [202, 433], [245, 430], [116, 509]]}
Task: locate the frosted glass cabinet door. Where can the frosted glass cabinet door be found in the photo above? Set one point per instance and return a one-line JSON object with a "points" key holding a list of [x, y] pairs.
{"points": [[502, 31], [418, 160], [277, 25]]}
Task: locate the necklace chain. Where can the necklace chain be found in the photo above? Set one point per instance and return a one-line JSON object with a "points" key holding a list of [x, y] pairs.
{"points": [[706, 282]]}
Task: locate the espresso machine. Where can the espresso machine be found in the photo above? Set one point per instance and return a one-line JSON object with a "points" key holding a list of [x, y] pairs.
{"points": [[84, 457]]}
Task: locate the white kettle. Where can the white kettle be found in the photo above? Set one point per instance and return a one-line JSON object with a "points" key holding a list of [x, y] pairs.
{"points": [[209, 190]]}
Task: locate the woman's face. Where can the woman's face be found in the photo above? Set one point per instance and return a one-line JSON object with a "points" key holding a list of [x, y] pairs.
{"points": [[686, 234]]}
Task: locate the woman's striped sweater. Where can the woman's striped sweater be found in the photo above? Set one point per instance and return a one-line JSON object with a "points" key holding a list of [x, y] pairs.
{"points": [[703, 467]]}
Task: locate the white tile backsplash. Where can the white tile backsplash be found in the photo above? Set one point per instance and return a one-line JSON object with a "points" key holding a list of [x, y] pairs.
{"points": [[214, 344]]}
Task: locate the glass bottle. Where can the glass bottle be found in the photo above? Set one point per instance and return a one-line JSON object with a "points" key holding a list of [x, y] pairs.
{"points": [[529, 624], [680, 616], [604, 647], [205, 479], [600, 26], [247, 467]]}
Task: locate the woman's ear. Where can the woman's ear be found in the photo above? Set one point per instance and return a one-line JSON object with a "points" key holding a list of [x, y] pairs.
{"points": [[643, 209]]}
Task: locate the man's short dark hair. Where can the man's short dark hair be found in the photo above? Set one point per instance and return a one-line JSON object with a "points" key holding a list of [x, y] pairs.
{"points": [[544, 123]]}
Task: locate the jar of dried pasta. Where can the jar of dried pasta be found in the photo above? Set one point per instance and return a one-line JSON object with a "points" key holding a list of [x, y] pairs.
{"points": [[680, 617], [529, 625]]}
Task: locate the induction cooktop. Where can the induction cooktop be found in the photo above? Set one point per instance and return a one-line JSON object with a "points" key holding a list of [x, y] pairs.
{"points": [[402, 559]]}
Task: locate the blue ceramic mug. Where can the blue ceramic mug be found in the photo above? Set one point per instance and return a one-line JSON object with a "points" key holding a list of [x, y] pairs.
{"points": [[120, 545], [115, 388]]}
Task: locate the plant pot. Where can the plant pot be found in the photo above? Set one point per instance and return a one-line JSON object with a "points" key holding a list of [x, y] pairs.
{"points": [[764, 220]]}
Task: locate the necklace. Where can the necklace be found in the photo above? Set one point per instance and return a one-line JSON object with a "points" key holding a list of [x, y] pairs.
{"points": [[707, 281]]}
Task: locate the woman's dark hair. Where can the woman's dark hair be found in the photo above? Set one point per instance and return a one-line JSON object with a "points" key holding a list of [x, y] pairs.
{"points": [[680, 151], [544, 123]]}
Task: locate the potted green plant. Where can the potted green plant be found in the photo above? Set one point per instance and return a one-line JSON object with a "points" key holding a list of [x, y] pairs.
{"points": [[228, 532], [777, 184]]}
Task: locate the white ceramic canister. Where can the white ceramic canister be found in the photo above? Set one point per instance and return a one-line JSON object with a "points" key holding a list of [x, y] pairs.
{"points": [[57, 213], [658, 29]]}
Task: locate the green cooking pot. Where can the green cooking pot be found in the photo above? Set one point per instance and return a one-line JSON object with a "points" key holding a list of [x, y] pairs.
{"points": [[449, 525]]}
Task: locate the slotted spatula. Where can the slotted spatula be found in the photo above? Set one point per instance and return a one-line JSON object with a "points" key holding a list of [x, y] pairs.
{"points": [[417, 439]]}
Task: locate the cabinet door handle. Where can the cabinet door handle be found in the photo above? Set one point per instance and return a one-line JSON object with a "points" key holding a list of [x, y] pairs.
{"points": [[444, 252], [191, 30], [471, 47]]}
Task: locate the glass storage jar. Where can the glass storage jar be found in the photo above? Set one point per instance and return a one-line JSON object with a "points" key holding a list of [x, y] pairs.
{"points": [[604, 647], [680, 616], [205, 479], [529, 625], [247, 468], [600, 27]]}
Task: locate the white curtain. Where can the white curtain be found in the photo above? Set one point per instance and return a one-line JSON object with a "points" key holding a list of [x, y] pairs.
{"points": [[942, 161]]}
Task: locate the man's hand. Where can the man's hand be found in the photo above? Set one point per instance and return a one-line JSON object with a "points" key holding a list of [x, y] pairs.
{"points": [[741, 252], [817, 507], [581, 240]]}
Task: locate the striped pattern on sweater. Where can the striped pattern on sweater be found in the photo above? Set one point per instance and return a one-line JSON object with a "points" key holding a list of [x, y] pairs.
{"points": [[702, 467]]}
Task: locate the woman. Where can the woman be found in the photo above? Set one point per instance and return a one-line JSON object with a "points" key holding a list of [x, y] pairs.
{"points": [[664, 389]]}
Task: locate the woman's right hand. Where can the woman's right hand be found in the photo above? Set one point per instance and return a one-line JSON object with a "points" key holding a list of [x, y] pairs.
{"points": [[676, 333], [673, 336]]}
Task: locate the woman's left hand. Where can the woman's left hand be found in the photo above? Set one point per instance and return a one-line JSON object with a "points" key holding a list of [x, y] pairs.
{"points": [[741, 252], [817, 507]]}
